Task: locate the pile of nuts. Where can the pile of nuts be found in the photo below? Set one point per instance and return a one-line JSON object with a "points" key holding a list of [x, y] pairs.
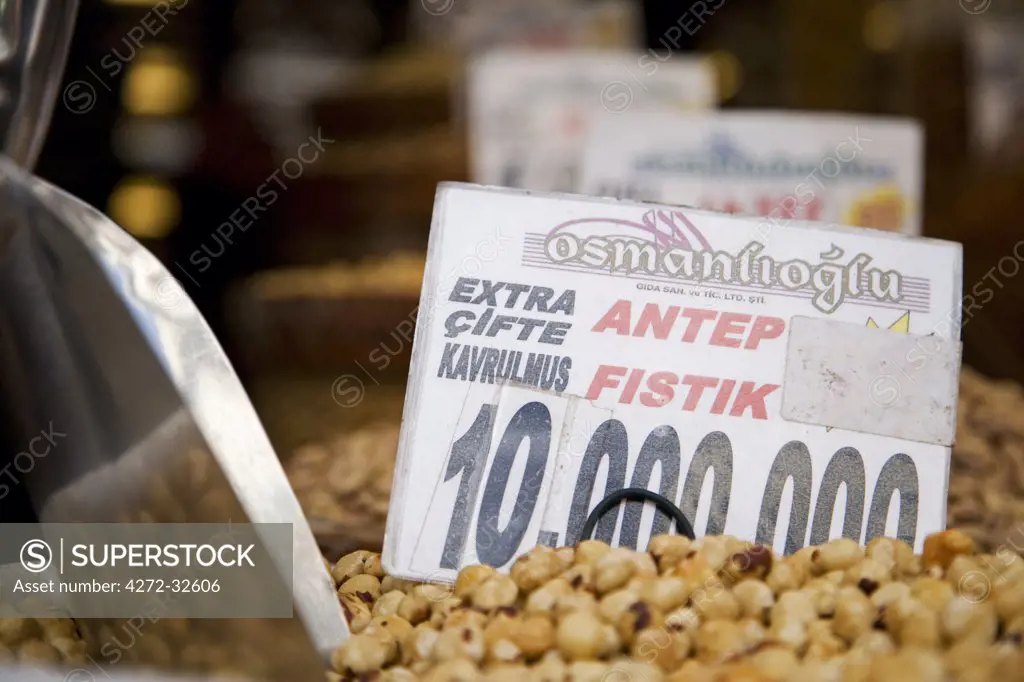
{"points": [[986, 482], [347, 480], [709, 610], [40, 641]]}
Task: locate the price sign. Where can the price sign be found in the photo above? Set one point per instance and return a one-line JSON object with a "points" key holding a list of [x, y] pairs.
{"points": [[529, 110], [861, 171], [788, 389]]}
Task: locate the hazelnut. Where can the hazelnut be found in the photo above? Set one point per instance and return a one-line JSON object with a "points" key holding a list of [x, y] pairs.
{"points": [[579, 636]]}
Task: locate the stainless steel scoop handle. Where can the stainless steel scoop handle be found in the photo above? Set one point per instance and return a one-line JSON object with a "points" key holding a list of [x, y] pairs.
{"points": [[35, 36]]}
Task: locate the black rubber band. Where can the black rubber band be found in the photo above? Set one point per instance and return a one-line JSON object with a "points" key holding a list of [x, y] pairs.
{"points": [[663, 503]]}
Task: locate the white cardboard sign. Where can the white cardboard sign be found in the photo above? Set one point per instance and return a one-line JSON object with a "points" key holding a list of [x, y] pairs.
{"points": [[849, 170], [529, 110], [604, 344]]}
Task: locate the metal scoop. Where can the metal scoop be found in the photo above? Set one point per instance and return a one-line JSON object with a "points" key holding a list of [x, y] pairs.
{"points": [[98, 342]]}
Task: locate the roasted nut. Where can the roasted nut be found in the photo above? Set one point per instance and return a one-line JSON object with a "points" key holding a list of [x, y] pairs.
{"points": [[894, 555], [615, 604], [716, 603], [696, 571], [775, 663], [917, 626], [458, 670], [794, 607], [590, 551], [471, 578], [399, 628], [349, 566], [662, 647], [854, 614], [580, 577], [788, 574], [57, 627], [574, 602], [822, 592], [714, 550], [668, 550], [587, 671], [889, 594], [544, 598], [73, 650], [754, 562], [874, 642], [755, 599], [626, 669], [549, 669], [822, 643], [566, 556], [867, 576], [613, 570], [695, 671], [419, 644], [837, 555], [580, 636], [500, 627], [816, 670], [357, 611], [467, 618], [496, 592], [719, 640], [535, 568], [534, 636], [37, 651], [441, 611], [941, 548], [910, 664], [646, 566], [388, 604], [970, 662], [14, 630], [365, 586], [1009, 599], [364, 653], [665, 593], [394, 674], [389, 583], [684, 619], [963, 620], [966, 574], [414, 608], [460, 642], [931, 592], [791, 634], [610, 641], [638, 616]]}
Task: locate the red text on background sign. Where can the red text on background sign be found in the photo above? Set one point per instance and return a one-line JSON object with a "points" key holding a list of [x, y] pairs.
{"points": [[786, 208]]}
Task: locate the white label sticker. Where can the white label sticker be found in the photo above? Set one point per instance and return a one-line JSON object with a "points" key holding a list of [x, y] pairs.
{"points": [[862, 171], [529, 111], [872, 380], [610, 344]]}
